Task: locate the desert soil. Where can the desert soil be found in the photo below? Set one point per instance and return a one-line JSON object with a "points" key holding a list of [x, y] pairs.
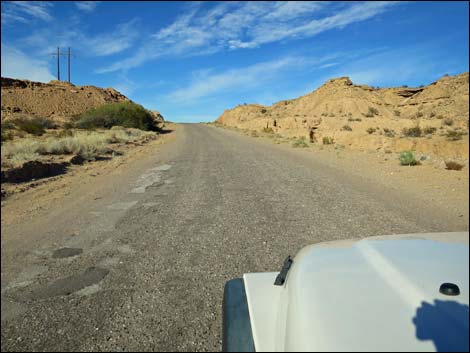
{"points": [[133, 254]]}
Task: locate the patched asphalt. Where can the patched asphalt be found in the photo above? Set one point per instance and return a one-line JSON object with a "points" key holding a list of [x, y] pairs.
{"points": [[147, 270]]}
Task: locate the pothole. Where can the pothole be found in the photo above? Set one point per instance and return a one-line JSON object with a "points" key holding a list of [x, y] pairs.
{"points": [[66, 252], [74, 283]]}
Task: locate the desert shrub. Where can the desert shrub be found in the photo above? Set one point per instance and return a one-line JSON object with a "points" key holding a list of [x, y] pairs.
{"points": [[440, 117], [6, 135], [432, 115], [22, 147], [389, 132], [346, 128], [429, 130], [419, 114], [85, 144], [254, 134], [64, 133], [451, 165], [354, 119], [327, 140], [125, 114], [35, 125], [268, 130], [454, 135], [300, 142], [371, 112], [68, 125], [448, 122], [263, 111], [371, 130], [331, 115], [407, 158], [6, 128], [412, 131], [396, 112]]}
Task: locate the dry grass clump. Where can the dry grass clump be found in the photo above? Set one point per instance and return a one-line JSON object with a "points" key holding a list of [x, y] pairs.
{"points": [[412, 131], [454, 135], [346, 128], [327, 140], [85, 144], [451, 165], [268, 130], [389, 132], [300, 142], [429, 130], [371, 112]]}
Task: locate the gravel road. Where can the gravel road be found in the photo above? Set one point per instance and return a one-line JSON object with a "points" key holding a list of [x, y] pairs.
{"points": [[139, 261]]}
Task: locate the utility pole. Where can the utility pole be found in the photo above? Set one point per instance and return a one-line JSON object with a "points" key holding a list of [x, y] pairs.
{"points": [[58, 54], [58, 62], [68, 56]]}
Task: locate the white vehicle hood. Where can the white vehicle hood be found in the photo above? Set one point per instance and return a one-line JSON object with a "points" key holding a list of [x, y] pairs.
{"points": [[375, 294]]}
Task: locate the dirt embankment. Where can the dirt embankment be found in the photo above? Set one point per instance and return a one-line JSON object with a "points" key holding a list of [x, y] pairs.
{"points": [[56, 100], [431, 119], [38, 145]]}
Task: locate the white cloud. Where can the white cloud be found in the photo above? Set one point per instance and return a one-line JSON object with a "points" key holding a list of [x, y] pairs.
{"points": [[243, 25], [87, 6], [122, 37], [25, 11], [16, 64], [206, 82]]}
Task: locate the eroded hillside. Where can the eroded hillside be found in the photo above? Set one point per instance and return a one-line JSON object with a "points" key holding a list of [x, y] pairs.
{"points": [[430, 119], [56, 100]]}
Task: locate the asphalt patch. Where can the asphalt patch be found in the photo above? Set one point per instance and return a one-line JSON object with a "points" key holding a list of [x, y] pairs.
{"points": [[66, 252], [69, 285]]}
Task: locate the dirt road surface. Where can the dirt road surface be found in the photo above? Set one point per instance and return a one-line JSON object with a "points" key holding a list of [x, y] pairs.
{"points": [[137, 259]]}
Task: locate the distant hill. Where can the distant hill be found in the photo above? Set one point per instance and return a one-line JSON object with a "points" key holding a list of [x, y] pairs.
{"points": [[56, 100], [365, 117]]}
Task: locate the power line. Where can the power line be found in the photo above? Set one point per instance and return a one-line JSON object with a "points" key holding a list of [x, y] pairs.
{"points": [[59, 54]]}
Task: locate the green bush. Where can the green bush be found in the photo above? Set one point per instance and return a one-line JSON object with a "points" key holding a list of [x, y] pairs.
{"points": [[328, 140], [34, 126], [408, 158], [125, 114]]}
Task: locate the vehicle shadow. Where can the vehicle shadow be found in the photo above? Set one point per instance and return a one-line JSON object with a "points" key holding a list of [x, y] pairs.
{"points": [[445, 323]]}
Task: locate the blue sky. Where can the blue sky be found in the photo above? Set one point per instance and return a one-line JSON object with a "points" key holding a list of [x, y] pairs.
{"points": [[193, 60]]}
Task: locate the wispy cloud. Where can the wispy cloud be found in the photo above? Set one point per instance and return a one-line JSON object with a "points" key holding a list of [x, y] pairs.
{"points": [[244, 25], [122, 37], [87, 6], [208, 82], [25, 11], [16, 64]]}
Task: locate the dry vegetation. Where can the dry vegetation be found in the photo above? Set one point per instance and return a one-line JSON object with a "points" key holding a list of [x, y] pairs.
{"points": [[40, 133]]}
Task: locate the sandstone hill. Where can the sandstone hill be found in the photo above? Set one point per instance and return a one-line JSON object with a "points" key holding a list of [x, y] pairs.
{"points": [[56, 100], [369, 118]]}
